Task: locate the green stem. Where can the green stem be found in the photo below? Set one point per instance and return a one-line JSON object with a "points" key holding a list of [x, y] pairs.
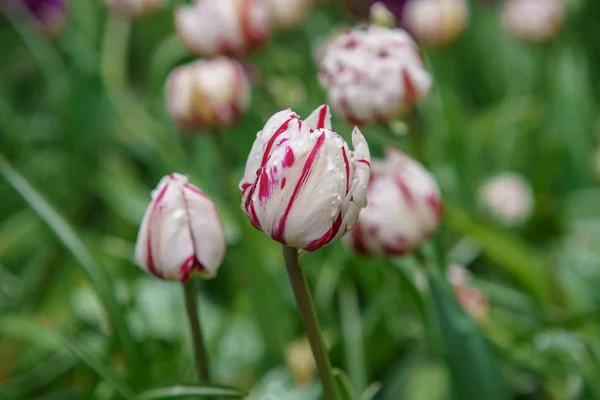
{"points": [[200, 356], [311, 324]]}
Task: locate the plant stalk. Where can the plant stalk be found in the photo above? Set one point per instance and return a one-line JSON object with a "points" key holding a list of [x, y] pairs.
{"points": [[200, 354], [311, 324]]}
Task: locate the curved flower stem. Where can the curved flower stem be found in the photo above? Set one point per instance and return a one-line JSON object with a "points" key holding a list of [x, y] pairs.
{"points": [[191, 306], [311, 324]]}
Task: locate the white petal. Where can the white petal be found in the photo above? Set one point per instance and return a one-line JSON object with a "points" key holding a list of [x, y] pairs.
{"points": [[207, 231]]}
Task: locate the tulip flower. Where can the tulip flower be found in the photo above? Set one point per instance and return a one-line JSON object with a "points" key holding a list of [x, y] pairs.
{"points": [[287, 14], [49, 15], [373, 75], [507, 198], [181, 232], [302, 185], [404, 208], [223, 27], [533, 20], [472, 299], [436, 23], [207, 94], [134, 8]]}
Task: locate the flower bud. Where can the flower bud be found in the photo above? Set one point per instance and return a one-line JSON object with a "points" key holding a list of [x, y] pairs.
{"points": [[134, 8], [181, 232], [403, 208], [380, 15], [49, 16], [300, 361], [287, 14], [532, 20], [436, 23], [211, 93], [302, 185], [471, 298], [507, 198], [373, 75], [223, 27]]}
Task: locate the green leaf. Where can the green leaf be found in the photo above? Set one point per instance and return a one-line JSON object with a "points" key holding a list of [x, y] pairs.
{"points": [[371, 391], [188, 390], [344, 385], [470, 361], [518, 259], [30, 330], [97, 276], [352, 334]]}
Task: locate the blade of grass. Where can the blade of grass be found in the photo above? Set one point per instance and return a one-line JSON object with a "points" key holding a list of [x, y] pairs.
{"points": [[353, 336], [96, 274], [186, 391]]}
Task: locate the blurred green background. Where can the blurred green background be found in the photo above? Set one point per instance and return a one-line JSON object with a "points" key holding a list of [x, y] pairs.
{"points": [[84, 138]]}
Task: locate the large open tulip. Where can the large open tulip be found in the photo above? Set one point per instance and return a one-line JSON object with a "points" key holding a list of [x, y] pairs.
{"points": [[373, 75], [404, 208], [181, 232], [303, 186]]}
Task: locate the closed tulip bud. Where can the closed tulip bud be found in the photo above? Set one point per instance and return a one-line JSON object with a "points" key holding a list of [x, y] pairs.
{"points": [[223, 27], [472, 299], [303, 186], [507, 198], [287, 14], [181, 232], [404, 208], [436, 23], [533, 20], [373, 75], [207, 94], [134, 8], [380, 15]]}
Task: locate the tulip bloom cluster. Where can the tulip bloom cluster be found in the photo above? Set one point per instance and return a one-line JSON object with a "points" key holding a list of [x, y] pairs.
{"points": [[223, 27], [404, 208], [373, 75], [181, 232], [213, 93], [303, 186]]}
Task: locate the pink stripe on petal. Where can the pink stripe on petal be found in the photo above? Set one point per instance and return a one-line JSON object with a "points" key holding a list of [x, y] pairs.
{"points": [[347, 169], [278, 233], [322, 115], [327, 236], [189, 266], [194, 189], [410, 95], [404, 189], [288, 158], [149, 258], [364, 161], [434, 202], [278, 132]]}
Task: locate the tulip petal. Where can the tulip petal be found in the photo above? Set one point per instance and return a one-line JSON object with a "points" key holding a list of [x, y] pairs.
{"points": [[319, 118]]}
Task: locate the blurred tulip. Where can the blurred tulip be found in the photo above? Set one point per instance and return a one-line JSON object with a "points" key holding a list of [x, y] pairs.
{"points": [[223, 27], [507, 198], [403, 208], [471, 298], [181, 232], [301, 361], [302, 185], [374, 74], [207, 94], [287, 14], [436, 23], [49, 15], [134, 8], [533, 20]]}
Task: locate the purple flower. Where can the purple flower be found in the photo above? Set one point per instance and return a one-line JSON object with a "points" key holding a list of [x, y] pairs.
{"points": [[49, 14]]}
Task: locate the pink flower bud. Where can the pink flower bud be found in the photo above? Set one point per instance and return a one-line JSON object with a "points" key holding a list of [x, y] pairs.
{"points": [[287, 14], [302, 185], [223, 27], [374, 74], [436, 23], [211, 93], [472, 299], [532, 20], [507, 198], [134, 8], [404, 208], [181, 232]]}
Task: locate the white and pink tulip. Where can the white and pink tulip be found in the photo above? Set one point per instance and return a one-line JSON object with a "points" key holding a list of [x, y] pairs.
{"points": [[207, 93], [209, 28], [373, 75], [181, 232], [404, 208], [303, 186]]}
